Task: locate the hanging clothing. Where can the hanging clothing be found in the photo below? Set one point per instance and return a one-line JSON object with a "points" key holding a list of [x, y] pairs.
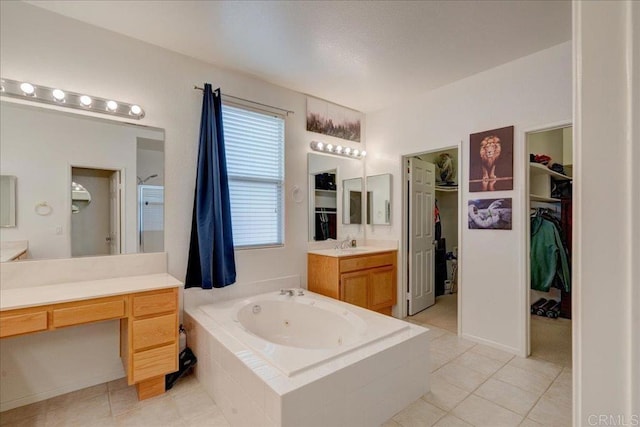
{"points": [[549, 262], [436, 221], [211, 261]]}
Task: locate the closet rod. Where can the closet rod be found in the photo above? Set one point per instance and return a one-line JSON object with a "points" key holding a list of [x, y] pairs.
{"points": [[252, 102]]}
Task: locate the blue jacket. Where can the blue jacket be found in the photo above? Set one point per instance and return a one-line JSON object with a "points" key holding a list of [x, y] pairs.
{"points": [[548, 257]]}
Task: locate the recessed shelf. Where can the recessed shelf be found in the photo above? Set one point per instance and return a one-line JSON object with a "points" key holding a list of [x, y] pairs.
{"points": [[538, 169], [536, 198]]}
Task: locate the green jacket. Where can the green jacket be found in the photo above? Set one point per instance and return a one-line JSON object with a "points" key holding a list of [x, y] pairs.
{"points": [[548, 257]]}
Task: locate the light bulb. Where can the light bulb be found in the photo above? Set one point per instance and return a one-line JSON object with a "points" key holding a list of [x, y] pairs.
{"points": [[58, 95], [347, 151], [320, 146], [363, 154], [136, 110], [27, 88], [329, 147], [112, 105], [85, 100], [339, 149], [356, 152]]}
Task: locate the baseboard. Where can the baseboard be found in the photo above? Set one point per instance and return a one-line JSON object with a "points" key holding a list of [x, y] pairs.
{"points": [[493, 344], [67, 388]]}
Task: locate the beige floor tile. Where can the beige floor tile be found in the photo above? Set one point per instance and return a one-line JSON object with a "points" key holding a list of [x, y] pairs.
{"points": [[123, 400], [551, 413], [80, 412], [451, 421], [65, 400], [213, 419], [28, 411], [460, 376], [525, 379], [35, 421], [561, 392], [390, 423], [478, 362], [493, 353], [117, 384], [529, 423], [542, 367], [419, 414], [507, 395], [481, 412], [435, 332], [195, 404], [551, 340], [440, 357], [452, 344], [161, 412], [444, 395]]}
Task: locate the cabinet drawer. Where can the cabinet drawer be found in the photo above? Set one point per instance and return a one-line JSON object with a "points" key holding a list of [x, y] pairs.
{"points": [[154, 331], [366, 261], [158, 361], [154, 303], [80, 313], [23, 323]]}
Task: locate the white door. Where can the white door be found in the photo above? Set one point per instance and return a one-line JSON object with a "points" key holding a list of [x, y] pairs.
{"points": [[421, 235], [114, 213]]}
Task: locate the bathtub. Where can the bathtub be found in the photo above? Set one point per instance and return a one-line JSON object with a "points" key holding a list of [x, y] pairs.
{"points": [[281, 360]]}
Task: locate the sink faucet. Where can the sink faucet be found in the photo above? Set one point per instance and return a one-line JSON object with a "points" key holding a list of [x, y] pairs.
{"points": [[286, 292], [346, 243]]}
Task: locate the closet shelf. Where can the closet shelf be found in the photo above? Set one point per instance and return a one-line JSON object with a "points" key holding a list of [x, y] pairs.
{"points": [[447, 189], [325, 191], [538, 169], [536, 198]]}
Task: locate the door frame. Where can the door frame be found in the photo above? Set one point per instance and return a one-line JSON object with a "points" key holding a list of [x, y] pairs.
{"points": [[404, 243], [525, 295], [123, 188]]}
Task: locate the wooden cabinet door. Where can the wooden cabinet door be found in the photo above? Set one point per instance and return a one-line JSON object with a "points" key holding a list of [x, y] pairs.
{"points": [[382, 289], [353, 288]]}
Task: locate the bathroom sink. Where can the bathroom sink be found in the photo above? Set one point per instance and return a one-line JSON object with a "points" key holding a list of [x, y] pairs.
{"points": [[349, 251]]}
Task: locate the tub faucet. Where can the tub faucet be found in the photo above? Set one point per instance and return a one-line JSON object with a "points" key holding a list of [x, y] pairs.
{"points": [[286, 292]]}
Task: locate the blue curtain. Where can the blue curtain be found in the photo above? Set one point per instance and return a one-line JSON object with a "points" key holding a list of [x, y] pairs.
{"points": [[211, 258]]}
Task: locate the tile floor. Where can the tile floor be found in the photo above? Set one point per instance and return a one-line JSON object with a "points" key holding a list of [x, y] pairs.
{"points": [[472, 385]]}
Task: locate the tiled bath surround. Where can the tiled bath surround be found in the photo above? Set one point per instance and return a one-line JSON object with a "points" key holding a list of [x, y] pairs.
{"points": [[362, 388]]}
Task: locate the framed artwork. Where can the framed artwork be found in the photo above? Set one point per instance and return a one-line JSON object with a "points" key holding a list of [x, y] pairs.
{"points": [[491, 160], [490, 214], [334, 120]]}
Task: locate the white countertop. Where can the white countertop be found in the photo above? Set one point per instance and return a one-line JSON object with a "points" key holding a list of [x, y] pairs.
{"points": [[12, 250], [75, 291], [361, 250]]}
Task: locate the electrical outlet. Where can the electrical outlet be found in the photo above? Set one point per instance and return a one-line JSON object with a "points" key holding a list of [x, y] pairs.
{"points": [[59, 230]]}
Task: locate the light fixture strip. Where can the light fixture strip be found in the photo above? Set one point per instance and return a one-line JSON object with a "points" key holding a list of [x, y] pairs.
{"points": [[337, 150], [62, 98]]}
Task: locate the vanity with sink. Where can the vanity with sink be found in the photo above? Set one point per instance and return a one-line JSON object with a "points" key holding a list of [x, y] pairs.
{"points": [[363, 276]]}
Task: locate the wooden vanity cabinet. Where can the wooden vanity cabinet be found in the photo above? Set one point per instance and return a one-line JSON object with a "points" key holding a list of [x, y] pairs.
{"points": [[365, 280]]}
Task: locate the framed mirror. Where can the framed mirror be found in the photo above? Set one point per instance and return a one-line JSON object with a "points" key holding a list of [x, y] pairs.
{"points": [[379, 199], [330, 212], [7, 201], [88, 186]]}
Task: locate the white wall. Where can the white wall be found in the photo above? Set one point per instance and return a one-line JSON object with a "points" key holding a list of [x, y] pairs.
{"points": [[529, 92], [607, 240], [52, 50]]}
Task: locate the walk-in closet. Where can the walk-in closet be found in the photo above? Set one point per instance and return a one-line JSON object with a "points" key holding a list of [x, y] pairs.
{"points": [[550, 233]]}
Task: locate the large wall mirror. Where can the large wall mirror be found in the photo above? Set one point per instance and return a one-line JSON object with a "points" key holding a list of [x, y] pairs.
{"points": [[86, 186], [335, 197]]}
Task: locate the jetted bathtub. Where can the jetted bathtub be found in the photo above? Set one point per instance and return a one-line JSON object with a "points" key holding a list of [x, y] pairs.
{"points": [[306, 360]]}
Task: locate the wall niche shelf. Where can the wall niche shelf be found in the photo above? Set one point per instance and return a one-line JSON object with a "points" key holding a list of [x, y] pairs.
{"points": [[446, 189], [540, 182]]}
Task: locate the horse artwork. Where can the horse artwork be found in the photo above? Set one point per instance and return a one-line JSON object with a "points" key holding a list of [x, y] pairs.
{"points": [[491, 160]]}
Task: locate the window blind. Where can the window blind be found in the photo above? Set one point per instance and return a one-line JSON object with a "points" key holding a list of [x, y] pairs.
{"points": [[254, 145]]}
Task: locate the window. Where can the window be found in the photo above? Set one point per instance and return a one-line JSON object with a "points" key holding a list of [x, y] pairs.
{"points": [[254, 144]]}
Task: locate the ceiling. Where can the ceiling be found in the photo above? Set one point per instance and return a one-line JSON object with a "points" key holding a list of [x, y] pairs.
{"points": [[362, 54]]}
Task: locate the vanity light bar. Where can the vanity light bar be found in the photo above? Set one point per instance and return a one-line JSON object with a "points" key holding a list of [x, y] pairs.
{"points": [[337, 150], [63, 98]]}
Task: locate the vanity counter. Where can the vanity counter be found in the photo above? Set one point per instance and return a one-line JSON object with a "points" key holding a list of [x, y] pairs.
{"points": [[11, 299], [10, 251], [339, 253]]}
